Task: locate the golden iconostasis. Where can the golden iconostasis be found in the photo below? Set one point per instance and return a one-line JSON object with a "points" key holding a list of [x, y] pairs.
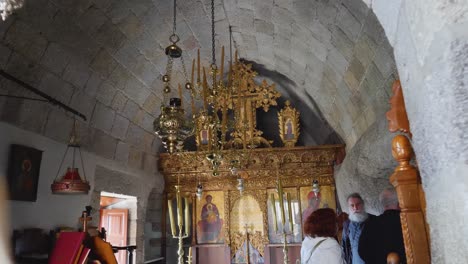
{"points": [[223, 215]]}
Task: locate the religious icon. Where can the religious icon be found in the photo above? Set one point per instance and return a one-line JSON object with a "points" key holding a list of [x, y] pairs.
{"points": [[203, 134], [288, 119], [204, 137], [209, 227], [23, 172], [311, 202], [289, 130]]}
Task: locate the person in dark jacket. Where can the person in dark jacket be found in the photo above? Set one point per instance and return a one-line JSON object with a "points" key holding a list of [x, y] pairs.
{"points": [[383, 234], [358, 218]]}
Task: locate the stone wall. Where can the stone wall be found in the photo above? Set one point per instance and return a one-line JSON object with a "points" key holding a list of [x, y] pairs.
{"points": [[116, 180], [430, 40], [367, 168]]}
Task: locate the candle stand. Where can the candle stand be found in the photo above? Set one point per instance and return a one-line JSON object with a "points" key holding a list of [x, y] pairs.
{"points": [[180, 223], [281, 195]]}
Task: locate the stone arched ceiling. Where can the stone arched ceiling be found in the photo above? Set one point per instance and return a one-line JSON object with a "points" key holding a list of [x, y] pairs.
{"points": [[106, 58]]}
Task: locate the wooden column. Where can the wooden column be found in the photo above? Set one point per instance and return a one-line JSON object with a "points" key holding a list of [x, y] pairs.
{"points": [[407, 182]]}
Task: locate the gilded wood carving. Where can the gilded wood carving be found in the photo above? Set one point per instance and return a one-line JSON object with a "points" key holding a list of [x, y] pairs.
{"points": [[297, 167], [260, 198], [396, 116], [288, 120]]}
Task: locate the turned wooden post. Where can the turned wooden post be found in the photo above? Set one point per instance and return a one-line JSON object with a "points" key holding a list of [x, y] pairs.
{"points": [[407, 182], [393, 258]]}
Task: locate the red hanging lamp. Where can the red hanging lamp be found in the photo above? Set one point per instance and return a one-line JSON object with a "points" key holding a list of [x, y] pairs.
{"points": [[71, 182]]}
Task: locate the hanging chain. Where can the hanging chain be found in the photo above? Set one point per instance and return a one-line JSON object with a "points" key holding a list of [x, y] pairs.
{"points": [[174, 25], [230, 43], [213, 34], [184, 69]]}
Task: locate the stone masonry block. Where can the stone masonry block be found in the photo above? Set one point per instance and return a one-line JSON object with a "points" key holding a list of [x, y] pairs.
{"points": [[136, 91], [120, 76], [103, 63], [357, 69], [263, 10], [93, 83], [320, 32], [58, 126], [130, 110], [57, 88], [351, 81], [55, 58], [122, 152], [364, 50], [385, 62], [103, 118], [357, 8], [104, 145], [337, 61], [105, 94], [342, 42], [83, 103], [264, 27], [25, 40], [33, 116], [118, 102], [77, 73], [135, 136], [145, 44], [131, 26], [326, 12], [152, 103], [110, 37], [5, 53], [150, 163], [118, 11], [120, 127], [373, 29], [135, 158], [350, 25], [374, 76], [30, 72], [92, 19]]}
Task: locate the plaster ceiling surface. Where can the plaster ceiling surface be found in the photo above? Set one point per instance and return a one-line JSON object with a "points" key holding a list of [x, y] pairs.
{"points": [[331, 59]]}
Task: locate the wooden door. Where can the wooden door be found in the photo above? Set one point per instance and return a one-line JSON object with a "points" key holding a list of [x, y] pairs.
{"points": [[115, 222]]}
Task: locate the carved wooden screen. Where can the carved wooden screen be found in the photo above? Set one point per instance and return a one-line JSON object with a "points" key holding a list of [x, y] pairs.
{"points": [[297, 167]]}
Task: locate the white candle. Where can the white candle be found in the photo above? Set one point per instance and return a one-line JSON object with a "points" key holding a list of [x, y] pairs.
{"points": [[187, 216], [273, 208], [171, 217]]}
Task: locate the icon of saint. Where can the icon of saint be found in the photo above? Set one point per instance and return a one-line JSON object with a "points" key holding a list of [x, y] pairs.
{"points": [[313, 203], [204, 137], [209, 226], [289, 129]]}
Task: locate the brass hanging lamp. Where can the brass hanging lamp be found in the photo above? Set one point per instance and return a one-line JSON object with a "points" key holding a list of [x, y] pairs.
{"points": [[171, 126], [71, 181]]}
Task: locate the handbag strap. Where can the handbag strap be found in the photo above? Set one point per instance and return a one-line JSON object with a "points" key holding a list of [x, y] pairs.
{"points": [[314, 248]]}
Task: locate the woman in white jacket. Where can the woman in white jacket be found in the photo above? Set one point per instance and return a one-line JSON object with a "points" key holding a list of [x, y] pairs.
{"points": [[320, 245]]}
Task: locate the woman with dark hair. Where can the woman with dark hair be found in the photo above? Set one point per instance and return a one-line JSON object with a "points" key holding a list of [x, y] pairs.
{"points": [[319, 245]]}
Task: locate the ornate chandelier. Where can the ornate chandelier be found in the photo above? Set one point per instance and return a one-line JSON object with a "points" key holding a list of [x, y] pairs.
{"points": [[8, 6], [221, 99]]}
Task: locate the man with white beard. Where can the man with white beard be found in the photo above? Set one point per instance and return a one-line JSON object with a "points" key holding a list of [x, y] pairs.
{"points": [[352, 228]]}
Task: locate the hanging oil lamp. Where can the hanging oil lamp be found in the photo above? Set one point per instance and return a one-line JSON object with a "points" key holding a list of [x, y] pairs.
{"points": [[71, 181]]}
